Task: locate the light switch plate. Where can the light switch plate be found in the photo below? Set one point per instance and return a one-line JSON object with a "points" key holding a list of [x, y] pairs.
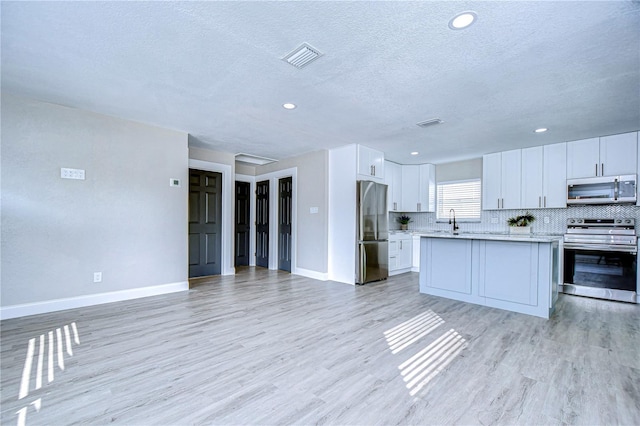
{"points": [[494, 220], [66, 173]]}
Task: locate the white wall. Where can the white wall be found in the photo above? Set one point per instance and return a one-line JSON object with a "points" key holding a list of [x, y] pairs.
{"points": [[123, 220], [342, 214], [459, 170], [310, 191]]}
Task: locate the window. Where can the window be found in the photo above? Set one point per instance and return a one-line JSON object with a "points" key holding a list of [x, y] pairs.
{"points": [[463, 196]]}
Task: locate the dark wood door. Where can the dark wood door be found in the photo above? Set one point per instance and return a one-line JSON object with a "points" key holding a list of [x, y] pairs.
{"points": [[285, 197], [205, 217], [242, 224], [262, 224]]}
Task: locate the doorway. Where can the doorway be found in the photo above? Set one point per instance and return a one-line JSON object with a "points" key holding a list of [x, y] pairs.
{"points": [[242, 223], [262, 224], [285, 198], [205, 218]]}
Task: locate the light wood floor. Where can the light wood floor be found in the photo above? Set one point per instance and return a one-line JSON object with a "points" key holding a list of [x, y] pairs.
{"points": [[266, 347]]}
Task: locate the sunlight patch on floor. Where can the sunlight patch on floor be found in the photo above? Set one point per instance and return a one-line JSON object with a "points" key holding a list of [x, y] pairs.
{"points": [[407, 333], [421, 368], [58, 345]]}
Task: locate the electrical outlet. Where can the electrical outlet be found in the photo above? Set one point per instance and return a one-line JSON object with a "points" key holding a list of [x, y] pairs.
{"points": [[66, 173], [546, 219], [97, 277], [494, 220], [174, 182], [313, 210]]}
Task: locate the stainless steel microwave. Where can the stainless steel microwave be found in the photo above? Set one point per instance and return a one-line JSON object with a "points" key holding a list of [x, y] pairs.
{"points": [[602, 190]]}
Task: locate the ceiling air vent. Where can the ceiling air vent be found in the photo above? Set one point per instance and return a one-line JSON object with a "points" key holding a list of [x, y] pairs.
{"points": [[302, 55], [431, 122], [253, 159]]}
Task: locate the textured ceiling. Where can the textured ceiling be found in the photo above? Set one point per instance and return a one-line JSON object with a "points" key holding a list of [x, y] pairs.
{"points": [[214, 70]]}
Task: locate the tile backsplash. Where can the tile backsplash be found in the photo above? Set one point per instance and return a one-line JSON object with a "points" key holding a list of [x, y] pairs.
{"points": [[496, 220]]}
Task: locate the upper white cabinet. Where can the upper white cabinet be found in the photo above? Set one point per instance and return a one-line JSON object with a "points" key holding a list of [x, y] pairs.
{"points": [[618, 154], [554, 176], [418, 188], [583, 158], [605, 156], [370, 163], [501, 180], [393, 180], [544, 176]]}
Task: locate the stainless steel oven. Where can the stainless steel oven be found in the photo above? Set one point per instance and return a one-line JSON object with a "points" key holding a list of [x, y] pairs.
{"points": [[600, 259]]}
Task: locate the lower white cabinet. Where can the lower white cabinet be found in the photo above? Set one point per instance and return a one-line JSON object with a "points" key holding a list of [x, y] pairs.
{"points": [[400, 253]]}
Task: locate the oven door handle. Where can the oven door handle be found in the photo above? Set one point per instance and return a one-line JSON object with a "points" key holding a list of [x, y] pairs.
{"points": [[601, 247]]}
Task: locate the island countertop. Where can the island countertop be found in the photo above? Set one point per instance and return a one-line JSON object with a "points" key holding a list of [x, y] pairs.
{"points": [[528, 238]]}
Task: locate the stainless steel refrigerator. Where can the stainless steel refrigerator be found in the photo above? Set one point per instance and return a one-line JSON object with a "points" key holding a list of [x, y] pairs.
{"points": [[372, 230]]}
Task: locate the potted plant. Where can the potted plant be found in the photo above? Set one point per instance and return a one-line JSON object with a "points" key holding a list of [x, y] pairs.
{"points": [[404, 221], [520, 224]]}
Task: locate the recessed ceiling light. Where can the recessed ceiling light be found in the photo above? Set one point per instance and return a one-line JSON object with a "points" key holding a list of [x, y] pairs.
{"points": [[289, 106], [541, 130], [415, 153], [462, 20]]}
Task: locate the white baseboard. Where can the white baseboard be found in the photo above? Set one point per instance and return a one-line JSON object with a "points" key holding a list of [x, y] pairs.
{"points": [[322, 276], [16, 311], [399, 271]]}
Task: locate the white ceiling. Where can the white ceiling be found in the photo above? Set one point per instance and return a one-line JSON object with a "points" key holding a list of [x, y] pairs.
{"points": [[214, 70]]}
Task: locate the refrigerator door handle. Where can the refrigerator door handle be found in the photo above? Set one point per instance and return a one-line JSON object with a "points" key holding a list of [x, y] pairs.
{"points": [[375, 222], [363, 264]]}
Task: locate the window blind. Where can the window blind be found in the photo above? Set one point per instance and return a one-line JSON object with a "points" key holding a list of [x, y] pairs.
{"points": [[462, 196]]}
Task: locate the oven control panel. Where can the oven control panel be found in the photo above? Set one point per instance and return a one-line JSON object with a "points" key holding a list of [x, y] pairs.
{"points": [[602, 222]]}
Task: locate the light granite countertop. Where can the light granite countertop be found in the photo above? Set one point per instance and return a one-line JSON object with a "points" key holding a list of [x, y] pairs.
{"points": [[530, 238]]}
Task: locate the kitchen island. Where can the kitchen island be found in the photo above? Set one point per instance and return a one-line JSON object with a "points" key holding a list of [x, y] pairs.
{"points": [[519, 273]]}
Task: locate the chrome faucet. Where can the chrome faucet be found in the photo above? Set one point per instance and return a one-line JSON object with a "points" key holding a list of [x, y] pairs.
{"points": [[454, 228]]}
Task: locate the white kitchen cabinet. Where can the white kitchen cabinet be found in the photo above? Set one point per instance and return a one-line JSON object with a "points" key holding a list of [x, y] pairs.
{"points": [[370, 164], [583, 158], [618, 154], [554, 176], [447, 268], [418, 188], [532, 176], [400, 253], [544, 177], [410, 188], [393, 254], [405, 250], [515, 280], [501, 180], [604, 156], [393, 179], [519, 276]]}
